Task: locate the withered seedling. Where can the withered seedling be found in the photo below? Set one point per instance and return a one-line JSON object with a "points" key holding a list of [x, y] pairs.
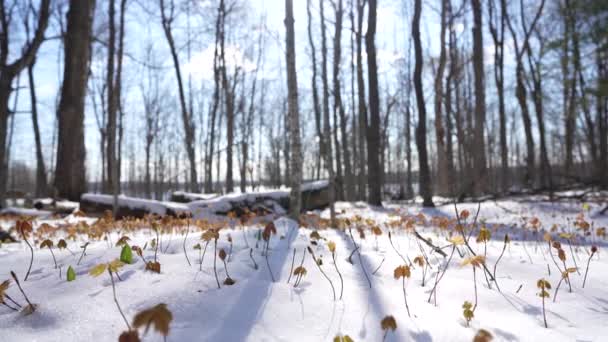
{"points": [[332, 248], [49, 244], [388, 323], [62, 244], [484, 236], [25, 229], [377, 232], [543, 285], [419, 260], [299, 273], [507, 240], [255, 264], [403, 272], [228, 281], [483, 336], [475, 262], [593, 251], [319, 262], [158, 316], [29, 308], [112, 268], [269, 230], [3, 287], [187, 217], [455, 241]]}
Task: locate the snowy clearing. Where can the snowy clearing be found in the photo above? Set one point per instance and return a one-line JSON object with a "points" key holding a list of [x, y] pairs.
{"points": [[257, 309]]}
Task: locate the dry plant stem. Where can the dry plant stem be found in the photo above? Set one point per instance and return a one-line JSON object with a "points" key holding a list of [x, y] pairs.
{"points": [[204, 251], [116, 300], [405, 298], [557, 289], [53, 254], [587, 269], [475, 286], [215, 264], [293, 260], [504, 248], [226, 268], [12, 300], [21, 289], [544, 314], [378, 268], [8, 306], [314, 258], [573, 257], [84, 250], [156, 244], [438, 279], [29, 269], [390, 239], [184, 244], [255, 264], [466, 240], [268, 261], [568, 278], [360, 259], [245, 236], [340, 274], [299, 277]]}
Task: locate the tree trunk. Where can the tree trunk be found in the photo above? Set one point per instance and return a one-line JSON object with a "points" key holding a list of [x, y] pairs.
{"points": [[295, 199], [186, 117], [442, 163], [70, 179], [326, 139], [362, 107], [315, 92], [373, 131], [479, 159], [424, 178], [41, 182]]}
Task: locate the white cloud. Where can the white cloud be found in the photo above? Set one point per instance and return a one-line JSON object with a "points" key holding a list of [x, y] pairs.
{"points": [[201, 64]]}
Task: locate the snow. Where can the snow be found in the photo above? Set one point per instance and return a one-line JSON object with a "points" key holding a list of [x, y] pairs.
{"points": [[256, 309], [152, 206]]}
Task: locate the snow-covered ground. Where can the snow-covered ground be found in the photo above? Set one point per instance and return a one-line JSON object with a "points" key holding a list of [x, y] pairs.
{"points": [[257, 309]]}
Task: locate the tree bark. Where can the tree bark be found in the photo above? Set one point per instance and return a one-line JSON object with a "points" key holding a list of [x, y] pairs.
{"points": [[373, 131], [442, 163], [362, 106], [70, 180], [479, 160], [41, 181], [424, 179], [295, 199]]}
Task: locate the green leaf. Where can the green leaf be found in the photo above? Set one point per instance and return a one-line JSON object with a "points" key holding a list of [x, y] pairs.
{"points": [[71, 274], [126, 254]]}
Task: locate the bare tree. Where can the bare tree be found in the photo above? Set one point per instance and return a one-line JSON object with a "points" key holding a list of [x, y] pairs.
{"points": [[9, 71], [168, 17], [479, 153]]}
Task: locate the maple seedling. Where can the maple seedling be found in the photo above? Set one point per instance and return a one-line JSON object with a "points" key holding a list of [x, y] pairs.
{"points": [[112, 268], [62, 244], [301, 270], [468, 312], [543, 285], [228, 281], [593, 251], [455, 241], [507, 240], [343, 338], [29, 308], [475, 262], [388, 323], [319, 263], [158, 316], [403, 272], [49, 244], [332, 248], [3, 287], [377, 232], [293, 261], [186, 237], [25, 229], [269, 230], [483, 336]]}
